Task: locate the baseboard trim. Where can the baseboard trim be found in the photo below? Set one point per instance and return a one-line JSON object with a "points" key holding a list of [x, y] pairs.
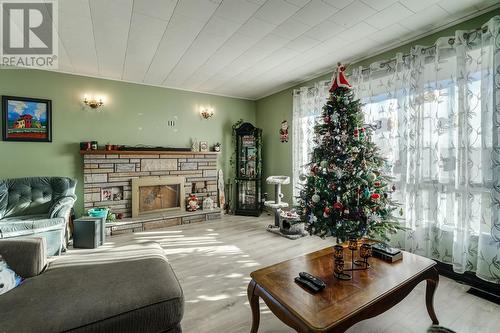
{"points": [[484, 289]]}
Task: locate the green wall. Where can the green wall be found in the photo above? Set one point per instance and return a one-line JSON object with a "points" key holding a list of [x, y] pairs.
{"points": [[272, 110], [133, 114]]}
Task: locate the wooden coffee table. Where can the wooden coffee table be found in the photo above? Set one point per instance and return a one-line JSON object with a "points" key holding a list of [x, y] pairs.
{"points": [[342, 303]]}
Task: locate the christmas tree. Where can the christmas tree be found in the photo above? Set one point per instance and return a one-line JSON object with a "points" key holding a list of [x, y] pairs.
{"points": [[346, 193]]}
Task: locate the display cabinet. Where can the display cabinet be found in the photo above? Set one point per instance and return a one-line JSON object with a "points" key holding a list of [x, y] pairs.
{"points": [[248, 170]]}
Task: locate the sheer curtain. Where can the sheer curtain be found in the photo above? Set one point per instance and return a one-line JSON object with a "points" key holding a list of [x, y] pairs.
{"points": [[437, 117], [307, 105]]}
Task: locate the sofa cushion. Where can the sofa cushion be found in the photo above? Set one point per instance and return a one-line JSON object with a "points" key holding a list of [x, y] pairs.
{"points": [[35, 195], [4, 198], [132, 288], [28, 225], [25, 255]]}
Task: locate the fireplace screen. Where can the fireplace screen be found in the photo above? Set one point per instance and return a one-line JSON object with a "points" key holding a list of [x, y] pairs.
{"points": [[157, 194], [159, 197]]}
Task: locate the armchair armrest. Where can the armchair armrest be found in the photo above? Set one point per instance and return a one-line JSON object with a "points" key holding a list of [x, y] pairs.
{"points": [[26, 256], [62, 207]]}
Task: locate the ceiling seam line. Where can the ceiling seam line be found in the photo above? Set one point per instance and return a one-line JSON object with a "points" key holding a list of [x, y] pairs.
{"points": [[128, 39], [93, 35], [162, 36]]}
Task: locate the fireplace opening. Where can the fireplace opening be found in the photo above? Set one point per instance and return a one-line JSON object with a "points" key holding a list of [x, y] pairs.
{"points": [[157, 194]]}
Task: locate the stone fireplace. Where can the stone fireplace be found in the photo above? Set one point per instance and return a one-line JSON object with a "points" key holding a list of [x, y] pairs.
{"points": [[109, 178], [152, 195]]}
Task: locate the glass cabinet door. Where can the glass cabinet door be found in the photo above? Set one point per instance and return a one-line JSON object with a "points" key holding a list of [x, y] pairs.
{"points": [[248, 157], [247, 194]]}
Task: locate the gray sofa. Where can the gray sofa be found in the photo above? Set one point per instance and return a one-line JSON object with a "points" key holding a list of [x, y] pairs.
{"points": [[37, 206], [126, 289]]}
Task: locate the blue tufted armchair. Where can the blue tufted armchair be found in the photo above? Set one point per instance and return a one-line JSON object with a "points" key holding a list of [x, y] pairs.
{"points": [[37, 206]]}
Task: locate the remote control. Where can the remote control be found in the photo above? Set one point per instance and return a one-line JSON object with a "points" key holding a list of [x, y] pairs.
{"points": [[308, 284], [317, 281]]}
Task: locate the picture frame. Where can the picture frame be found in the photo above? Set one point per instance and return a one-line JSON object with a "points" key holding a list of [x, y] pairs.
{"points": [[204, 146], [26, 119]]}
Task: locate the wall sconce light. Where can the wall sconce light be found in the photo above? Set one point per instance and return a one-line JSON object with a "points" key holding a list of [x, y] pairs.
{"points": [[206, 112], [93, 103]]}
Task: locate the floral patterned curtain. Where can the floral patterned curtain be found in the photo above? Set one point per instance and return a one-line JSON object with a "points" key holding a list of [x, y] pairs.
{"points": [[307, 105], [437, 117]]}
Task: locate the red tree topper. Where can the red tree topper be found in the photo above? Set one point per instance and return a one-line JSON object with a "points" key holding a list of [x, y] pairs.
{"points": [[339, 79]]}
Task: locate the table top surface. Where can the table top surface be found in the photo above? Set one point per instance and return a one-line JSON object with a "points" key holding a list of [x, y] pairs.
{"points": [[340, 299]]}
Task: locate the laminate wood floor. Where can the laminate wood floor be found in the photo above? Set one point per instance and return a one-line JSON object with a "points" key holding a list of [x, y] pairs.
{"points": [[213, 261]]}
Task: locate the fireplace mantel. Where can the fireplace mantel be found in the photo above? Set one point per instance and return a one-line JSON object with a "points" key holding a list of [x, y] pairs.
{"points": [[145, 152]]}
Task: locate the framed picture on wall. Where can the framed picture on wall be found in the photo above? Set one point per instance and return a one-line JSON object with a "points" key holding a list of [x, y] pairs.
{"points": [[26, 119]]}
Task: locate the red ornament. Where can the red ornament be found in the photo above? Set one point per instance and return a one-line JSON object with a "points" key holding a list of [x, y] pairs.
{"points": [[314, 169], [339, 79], [377, 183], [338, 206], [356, 133], [375, 196], [327, 119], [326, 212]]}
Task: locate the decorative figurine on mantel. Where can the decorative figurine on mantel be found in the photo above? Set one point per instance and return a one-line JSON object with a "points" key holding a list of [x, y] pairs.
{"points": [[195, 146], [192, 203], [346, 193], [208, 203]]}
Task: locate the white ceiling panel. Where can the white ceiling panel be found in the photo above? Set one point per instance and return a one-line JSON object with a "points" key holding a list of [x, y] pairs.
{"points": [[390, 15], [392, 33], [360, 30], [241, 48], [314, 12], [197, 10], [302, 43], [256, 27], [425, 19], [76, 33], [416, 6], [291, 29], [325, 30], [161, 9], [144, 36], [237, 11], [111, 20], [276, 11], [352, 14], [340, 3], [379, 4]]}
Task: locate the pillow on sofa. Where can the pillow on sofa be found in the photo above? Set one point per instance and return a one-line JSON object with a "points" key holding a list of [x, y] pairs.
{"points": [[8, 278]]}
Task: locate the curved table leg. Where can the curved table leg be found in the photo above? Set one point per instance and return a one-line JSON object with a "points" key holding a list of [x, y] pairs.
{"points": [[432, 282], [254, 305]]}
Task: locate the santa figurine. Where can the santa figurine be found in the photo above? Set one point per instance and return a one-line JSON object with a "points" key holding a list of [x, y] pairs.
{"points": [[339, 79]]}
